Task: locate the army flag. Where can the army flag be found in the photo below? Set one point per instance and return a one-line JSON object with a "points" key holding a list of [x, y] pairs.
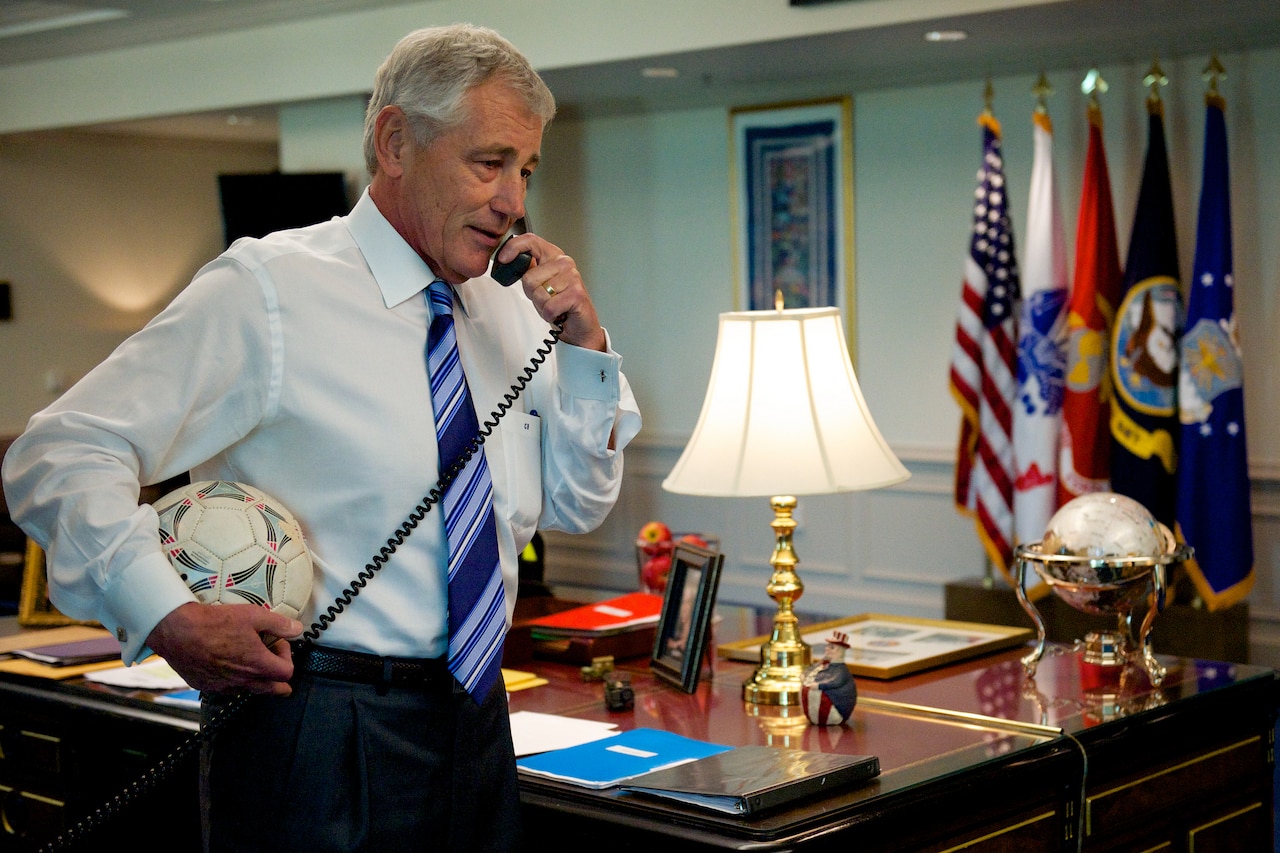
{"points": [[1041, 352], [1213, 514], [1084, 461], [984, 360], [1144, 342]]}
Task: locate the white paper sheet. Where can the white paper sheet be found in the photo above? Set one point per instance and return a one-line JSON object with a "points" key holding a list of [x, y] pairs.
{"points": [[534, 732], [153, 674]]}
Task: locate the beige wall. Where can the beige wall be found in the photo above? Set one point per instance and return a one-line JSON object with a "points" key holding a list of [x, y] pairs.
{"points": [[97, 233]]}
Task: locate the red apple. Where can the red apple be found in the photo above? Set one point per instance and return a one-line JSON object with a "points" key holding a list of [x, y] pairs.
{"points": [[655, 532], [655, 572]]}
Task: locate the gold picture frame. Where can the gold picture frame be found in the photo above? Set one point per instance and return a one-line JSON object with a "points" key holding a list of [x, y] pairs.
{"points": [[882, 646], [35, 610]]}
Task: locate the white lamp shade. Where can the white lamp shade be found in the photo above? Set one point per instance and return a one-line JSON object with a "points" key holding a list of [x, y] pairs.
{"points": [[783, 413]]}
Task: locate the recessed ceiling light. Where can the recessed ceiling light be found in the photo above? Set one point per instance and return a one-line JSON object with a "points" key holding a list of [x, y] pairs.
{"points": [[946, 35], [660, 73]]}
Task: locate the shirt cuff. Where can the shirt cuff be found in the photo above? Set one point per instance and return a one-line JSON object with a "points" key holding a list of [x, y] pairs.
{"points": [[589, 374], [138, 599]]}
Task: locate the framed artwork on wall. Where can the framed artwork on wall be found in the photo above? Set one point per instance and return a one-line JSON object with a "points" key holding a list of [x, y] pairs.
{"points": [[792, 198]]}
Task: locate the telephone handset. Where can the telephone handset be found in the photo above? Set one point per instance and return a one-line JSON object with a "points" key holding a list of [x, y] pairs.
{"points": [[224, 713], [508, 273]]}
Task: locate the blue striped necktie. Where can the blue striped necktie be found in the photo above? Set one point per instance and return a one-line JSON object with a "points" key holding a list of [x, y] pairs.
{"points": [[477, 606]]}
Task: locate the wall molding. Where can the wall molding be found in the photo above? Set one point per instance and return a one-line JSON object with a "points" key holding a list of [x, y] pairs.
{"points": [[886, 574]]}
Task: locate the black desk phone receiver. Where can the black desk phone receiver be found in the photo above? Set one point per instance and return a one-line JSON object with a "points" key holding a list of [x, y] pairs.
{"points": [[508, 273]]}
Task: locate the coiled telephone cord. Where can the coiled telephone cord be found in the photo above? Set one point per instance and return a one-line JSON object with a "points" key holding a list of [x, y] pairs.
{"points": [[84, 828]]}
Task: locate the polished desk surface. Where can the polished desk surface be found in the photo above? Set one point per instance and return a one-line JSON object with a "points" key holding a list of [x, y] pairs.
{"points": [[980, 721], [977, 717]]}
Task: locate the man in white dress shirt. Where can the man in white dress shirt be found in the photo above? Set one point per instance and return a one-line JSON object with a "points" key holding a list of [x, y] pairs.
{"points": [[295, 363]]}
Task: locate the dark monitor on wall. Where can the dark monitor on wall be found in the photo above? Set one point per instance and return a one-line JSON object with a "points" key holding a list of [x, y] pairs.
{"points": [[257, 204]]}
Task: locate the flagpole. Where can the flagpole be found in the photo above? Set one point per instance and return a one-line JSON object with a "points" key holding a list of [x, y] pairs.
{"points": [[988, 116]]}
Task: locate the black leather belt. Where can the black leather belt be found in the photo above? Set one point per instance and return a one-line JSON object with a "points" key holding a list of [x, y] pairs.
{"points": [[370, 669]]}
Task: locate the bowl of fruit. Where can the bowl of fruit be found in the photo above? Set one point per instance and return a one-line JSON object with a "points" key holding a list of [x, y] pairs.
{"points": [[654, 547]]}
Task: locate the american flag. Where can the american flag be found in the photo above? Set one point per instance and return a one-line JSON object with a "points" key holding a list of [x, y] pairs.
{"points": [[984, 361]]}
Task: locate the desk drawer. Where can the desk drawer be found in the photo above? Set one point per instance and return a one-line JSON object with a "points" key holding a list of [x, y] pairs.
{"points": [[25, 815], [1176, 788]]}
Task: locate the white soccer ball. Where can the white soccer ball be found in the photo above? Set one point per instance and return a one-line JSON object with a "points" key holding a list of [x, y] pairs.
{"points": [[234, 544]]}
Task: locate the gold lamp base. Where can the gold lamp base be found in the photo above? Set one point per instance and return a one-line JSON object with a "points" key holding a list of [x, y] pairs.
{"points": [[784, 656]]}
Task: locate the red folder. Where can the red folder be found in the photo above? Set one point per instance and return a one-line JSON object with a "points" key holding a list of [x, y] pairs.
{"points": [[602, 618]]}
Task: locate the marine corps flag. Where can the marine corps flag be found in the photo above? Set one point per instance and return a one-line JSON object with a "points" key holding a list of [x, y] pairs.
{"points": [[1084, 461], [1041, 356], [984, 361], [1144, 342], [1214, 516]]}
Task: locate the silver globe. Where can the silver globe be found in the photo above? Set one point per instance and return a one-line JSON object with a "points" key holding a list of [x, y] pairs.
{"points": [[1103, 553]]}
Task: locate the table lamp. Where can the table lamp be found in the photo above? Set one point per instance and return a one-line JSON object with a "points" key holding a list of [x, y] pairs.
{"points": [[783, 416]]}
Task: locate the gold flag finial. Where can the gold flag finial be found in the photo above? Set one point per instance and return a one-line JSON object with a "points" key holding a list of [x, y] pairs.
{"points": [[987, 118], [1154, 80], [778, 302], [1213, 72], [1042, 90], [1093, 84]]}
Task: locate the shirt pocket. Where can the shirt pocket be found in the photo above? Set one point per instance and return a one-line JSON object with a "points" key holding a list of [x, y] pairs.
{"points": [[519, 497]]}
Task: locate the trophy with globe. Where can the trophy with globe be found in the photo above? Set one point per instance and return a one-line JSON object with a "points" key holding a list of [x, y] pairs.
{"points": [[1104, 553]]}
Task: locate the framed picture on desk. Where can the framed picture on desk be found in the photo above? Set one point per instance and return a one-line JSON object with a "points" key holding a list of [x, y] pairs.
{"points": [[887, 646], [684, 625]]}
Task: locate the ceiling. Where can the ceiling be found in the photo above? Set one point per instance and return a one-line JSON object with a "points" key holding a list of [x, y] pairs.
{"points": [[1055, 35]]}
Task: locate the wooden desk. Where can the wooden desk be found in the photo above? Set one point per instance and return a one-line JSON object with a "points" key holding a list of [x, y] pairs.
{"points": [[971, 759]]}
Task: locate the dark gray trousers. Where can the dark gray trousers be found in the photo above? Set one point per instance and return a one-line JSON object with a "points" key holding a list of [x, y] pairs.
{"points": [[339, 766]]}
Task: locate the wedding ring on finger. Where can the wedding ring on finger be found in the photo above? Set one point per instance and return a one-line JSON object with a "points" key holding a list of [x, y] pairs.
{"points": [[551, 291]]}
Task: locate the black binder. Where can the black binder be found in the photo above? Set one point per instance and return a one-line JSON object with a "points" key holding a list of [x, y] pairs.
{"points": [[750, 779]]}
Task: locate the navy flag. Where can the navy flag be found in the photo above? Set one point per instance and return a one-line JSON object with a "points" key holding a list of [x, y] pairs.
{"points": [[1213, 514], [1144, 342]]}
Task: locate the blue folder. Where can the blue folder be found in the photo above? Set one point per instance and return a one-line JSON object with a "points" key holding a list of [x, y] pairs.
{"points": [[612, 760]]}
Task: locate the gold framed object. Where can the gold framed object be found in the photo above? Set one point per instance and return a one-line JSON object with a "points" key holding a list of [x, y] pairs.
{"points": [[791, 174], [35, 610], [882, 646]]}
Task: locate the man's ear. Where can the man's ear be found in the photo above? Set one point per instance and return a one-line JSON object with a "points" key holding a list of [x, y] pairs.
{"points": [[392, 140]]}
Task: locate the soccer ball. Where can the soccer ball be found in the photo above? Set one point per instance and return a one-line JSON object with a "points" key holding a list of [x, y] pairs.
{"points": [[234, 544]]}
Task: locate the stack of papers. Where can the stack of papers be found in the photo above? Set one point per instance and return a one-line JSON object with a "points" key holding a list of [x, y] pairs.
{"points": [[613, 760], [623, 613], [152, 674]]}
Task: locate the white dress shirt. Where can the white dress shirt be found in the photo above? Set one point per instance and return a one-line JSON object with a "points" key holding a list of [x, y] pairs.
{"points": [[296, 364]]}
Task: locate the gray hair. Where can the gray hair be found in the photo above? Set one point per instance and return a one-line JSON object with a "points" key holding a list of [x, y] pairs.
{"points": [[429, 72]]}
